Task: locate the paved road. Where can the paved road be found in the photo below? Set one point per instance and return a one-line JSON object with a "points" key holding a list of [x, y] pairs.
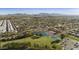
{"points": [[1, 22], [2, 26]]}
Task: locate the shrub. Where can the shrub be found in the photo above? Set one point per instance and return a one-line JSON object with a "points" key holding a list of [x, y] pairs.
{"points": [[56, 47], [15, 46], [56, 41], [35, 37], [36, 45], [62, 36]]}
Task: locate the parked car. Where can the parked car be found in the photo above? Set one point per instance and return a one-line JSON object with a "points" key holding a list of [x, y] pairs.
{"points": [[76, 44]]}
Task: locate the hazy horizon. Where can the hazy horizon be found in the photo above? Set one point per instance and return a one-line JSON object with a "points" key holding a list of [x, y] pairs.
{"points": [[62, 11]]}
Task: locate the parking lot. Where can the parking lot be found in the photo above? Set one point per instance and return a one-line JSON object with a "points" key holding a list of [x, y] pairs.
{"points": [[70, 44]]}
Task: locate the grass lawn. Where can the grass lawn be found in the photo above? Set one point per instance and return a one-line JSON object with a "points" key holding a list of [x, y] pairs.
{"points": [[39, 43], [72, 37], [42, 41]]}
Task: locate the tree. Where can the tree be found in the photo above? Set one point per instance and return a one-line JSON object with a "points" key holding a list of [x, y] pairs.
{"points": [[62, 36], [14, 46], [56, 47]]}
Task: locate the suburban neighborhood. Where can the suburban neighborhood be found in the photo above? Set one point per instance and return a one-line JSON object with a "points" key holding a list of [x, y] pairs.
{"points": [[42, 31]]}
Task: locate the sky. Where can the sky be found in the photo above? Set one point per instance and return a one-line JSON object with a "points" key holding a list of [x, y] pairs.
{"points": [[67, 11]]}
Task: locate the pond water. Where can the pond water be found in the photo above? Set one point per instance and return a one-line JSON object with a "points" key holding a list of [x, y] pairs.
{"points": [[56, 37], [53, 37]]}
